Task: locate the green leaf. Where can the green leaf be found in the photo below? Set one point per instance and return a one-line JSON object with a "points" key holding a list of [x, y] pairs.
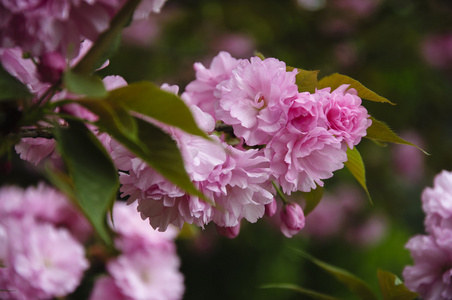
{"points": [[105, 40], [148, 99], [335, 80], [306, 80], [84, 84], [392, 287], [312, 199], [151, 144], [380, 132], [354, 284], [355, 165], [11, 88], [303, 291], [93, 176]]}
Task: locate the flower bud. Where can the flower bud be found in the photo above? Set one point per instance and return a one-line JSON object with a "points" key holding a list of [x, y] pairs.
{"points": [[292, 219], [51, 66], [270, 209], [229, 232]]}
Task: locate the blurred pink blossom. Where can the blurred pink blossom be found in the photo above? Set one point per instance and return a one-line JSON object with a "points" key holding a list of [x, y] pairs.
{"points": [[361, 8], [409, 161], [41, 261], [431, 274], [437, 202], [238, 45], [229, 232], [437, 50]]}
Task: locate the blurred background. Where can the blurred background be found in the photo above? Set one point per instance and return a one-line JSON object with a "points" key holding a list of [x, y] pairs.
{"points": [[401, 49]]}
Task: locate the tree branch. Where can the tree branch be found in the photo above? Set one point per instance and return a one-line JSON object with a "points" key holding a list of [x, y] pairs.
{"points": [[36, 133]]}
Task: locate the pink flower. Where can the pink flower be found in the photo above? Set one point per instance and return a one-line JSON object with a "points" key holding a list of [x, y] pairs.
{"points": [[346, 118], [200, 92], [229, 232], [270, 209], [299, 160], [135, 234], [106, 288], [44, 26], [255, 100], [51, 66], [41, 261], [43, 203], [148, 275], [409, 161], [430, 276], [292, 219], [437, 202]]}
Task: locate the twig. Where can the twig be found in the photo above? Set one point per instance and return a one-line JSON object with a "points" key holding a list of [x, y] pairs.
{"points": [[36, 133]]}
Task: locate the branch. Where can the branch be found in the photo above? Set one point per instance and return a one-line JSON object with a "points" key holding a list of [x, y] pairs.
{"points": [[223, 127], [36, 133]]}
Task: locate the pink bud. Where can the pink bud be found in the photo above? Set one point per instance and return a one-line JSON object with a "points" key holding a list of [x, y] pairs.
{"points": [[51, 66], [292, 219], [229, 232], [270, 209]]}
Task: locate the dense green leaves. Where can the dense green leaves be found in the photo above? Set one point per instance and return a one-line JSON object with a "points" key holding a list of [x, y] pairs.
{"points": [[84, 84], [312, 199], [300, 290], [355, 165], [335, 80], [11, 88], [92, 175], [354, 284], [306, 80], [392, 287], [380, 132], [145, 140]]}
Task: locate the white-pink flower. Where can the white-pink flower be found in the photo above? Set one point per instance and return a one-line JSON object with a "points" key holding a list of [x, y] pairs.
{"points": [[200, 92], [299, 160], [256, 99], [40, 261], [345, 117], [437, 202], [148, 275], [135, 234], [431, 274]]}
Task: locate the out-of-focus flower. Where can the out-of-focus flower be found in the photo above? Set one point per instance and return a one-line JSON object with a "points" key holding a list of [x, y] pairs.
{"points": [[430, 276], [238, 45], [437, 50], [148, 275], [437, 202], [292, 219], [369, 232], [361, 8], [256, 99], [229, 232], [44, 204], [40, 261], [409, 161], [147, 268]]}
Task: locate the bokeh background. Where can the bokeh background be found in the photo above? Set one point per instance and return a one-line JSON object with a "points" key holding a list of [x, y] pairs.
{"points": [[401, 49]]}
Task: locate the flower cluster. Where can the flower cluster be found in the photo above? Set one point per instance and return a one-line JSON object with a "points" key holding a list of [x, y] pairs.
{"points": [[430, 276], [40, 254], [148, 266], [296, 139], [41, 27]]}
